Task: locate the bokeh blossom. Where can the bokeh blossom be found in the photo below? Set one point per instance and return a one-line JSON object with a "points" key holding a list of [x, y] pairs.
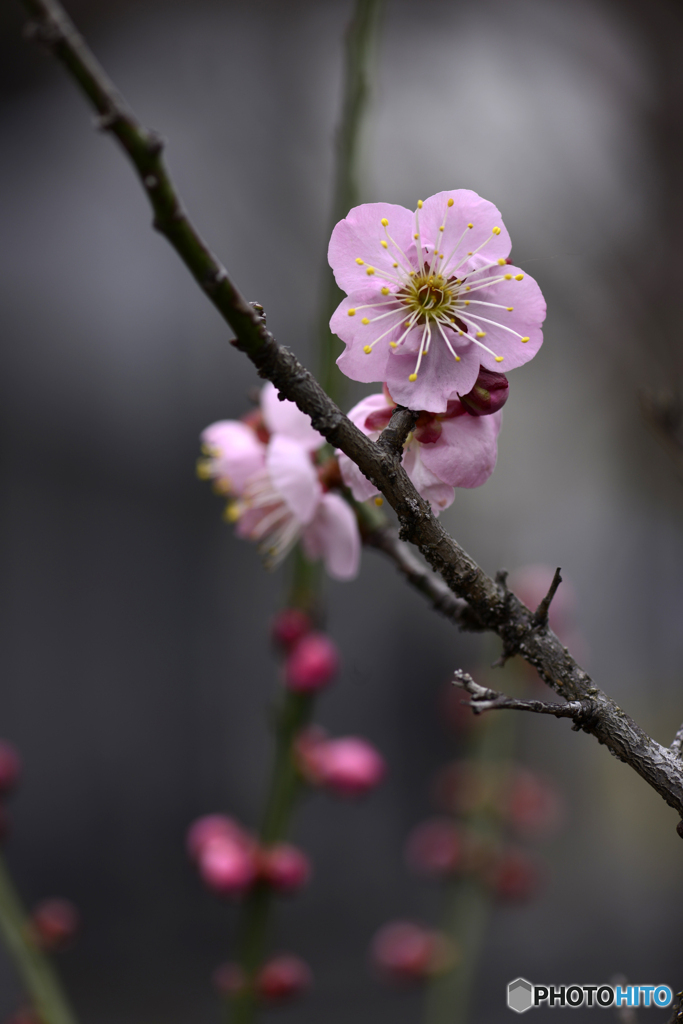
{"points": [[266, 466], [431, 297], [445, 450]]}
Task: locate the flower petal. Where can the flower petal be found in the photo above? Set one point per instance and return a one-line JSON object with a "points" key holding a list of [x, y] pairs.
{"points": [[293, 476], [359, 485], [359, 237], [333, 536], [457, 240], [286, 418], [237, 453], [439, 375], [465, 454], [439, 494]]}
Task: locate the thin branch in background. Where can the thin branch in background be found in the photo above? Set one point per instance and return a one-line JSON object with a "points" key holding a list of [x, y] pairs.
{"points": [[485, 699]]}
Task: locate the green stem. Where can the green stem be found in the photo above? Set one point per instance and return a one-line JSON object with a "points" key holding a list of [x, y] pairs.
{"points": [[360, 45], [37, 973]]}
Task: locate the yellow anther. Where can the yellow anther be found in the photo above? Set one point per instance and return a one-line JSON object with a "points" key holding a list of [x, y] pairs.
{"points": [[496, 230], [232, 512], [440, 255], [480, 334], [385, 290], [370, 271], [351, 312], [394, 264], [441, 228], [457, 358], [470, 254], [384, 222], [419, 204], [509, 308], [203, 469], [412, 378], [416, 235], [470, 225], [499, 359], [508, 277], [367, 349], [359, 261], [519, 277], [467, 288], [411, 273], [524, 340], [365, 320], [379, 501], [385, 245], [450, 202], [407, 323], [501, 262], [467, 302], [392, 344]]}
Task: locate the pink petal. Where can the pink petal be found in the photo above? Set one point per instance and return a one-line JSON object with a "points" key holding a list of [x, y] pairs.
{"points": [[293, 476], [439, 375], [286, 418], [359, 485], [333, 536], [359, 235], [465, 454], [468, 208], [432, 489], [236, 451]]}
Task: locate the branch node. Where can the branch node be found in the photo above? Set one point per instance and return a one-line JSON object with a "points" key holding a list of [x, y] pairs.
{"points": [[154, 141], [540, 617], [394, 436], [105, 122], [260, 311]]}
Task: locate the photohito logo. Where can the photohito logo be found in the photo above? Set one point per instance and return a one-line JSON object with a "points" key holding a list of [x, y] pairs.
{"points": [[522, 995]]}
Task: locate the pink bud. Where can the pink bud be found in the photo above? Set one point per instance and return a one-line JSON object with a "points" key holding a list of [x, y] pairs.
{"points": [[227, 865], [229, 979], [10, 767], [54, 923], [407, 952], [434, 847], [212, 826], [349, 766], [312, 664], [285, 867], [516, 876], [489, 394], [289, 626], [283, 977]]}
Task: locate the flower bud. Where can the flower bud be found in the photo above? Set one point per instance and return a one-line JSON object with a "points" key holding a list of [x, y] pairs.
{"points": [[407, 952], [283, 977], [434, 848], [54, 923], [312, 664], [489, 394], [349, 766], [212, 826], [516, 876], [227, 865], [229, 980], [289, 626], [10, 768], [284, 867]]}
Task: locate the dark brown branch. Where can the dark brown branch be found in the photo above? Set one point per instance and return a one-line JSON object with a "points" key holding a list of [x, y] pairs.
{"points": [[497, 609], [395, 434], [485, 699], [541, 613]]}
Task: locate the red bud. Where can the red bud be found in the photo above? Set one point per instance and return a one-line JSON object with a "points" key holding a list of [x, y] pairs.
{"points": [[489, 394]]}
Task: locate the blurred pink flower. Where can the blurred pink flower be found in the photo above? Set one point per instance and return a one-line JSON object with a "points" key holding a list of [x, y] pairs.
{"points": [[446, 450], [277, 496], [348, 766], [431, 296]]}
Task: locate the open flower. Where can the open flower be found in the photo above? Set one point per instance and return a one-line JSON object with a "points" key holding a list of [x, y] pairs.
{"points": [[444, 451], [265, 466], [431, 297]]}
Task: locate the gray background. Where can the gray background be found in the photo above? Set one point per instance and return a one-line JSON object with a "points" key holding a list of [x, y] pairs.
{"points": [[135, 676]]}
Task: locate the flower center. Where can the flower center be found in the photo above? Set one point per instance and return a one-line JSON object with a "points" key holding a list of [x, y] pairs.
{"points": [[429, 296]]}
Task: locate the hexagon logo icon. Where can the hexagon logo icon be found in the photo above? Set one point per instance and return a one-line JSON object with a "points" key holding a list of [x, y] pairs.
{"points": [[520, 995]]}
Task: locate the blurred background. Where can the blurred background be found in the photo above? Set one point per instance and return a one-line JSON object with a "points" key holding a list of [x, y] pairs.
{"points": [[136, 676]]}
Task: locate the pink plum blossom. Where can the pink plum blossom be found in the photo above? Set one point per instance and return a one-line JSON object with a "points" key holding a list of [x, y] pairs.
{"points": [[446, 450], [266, 467], [431, 297]]}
